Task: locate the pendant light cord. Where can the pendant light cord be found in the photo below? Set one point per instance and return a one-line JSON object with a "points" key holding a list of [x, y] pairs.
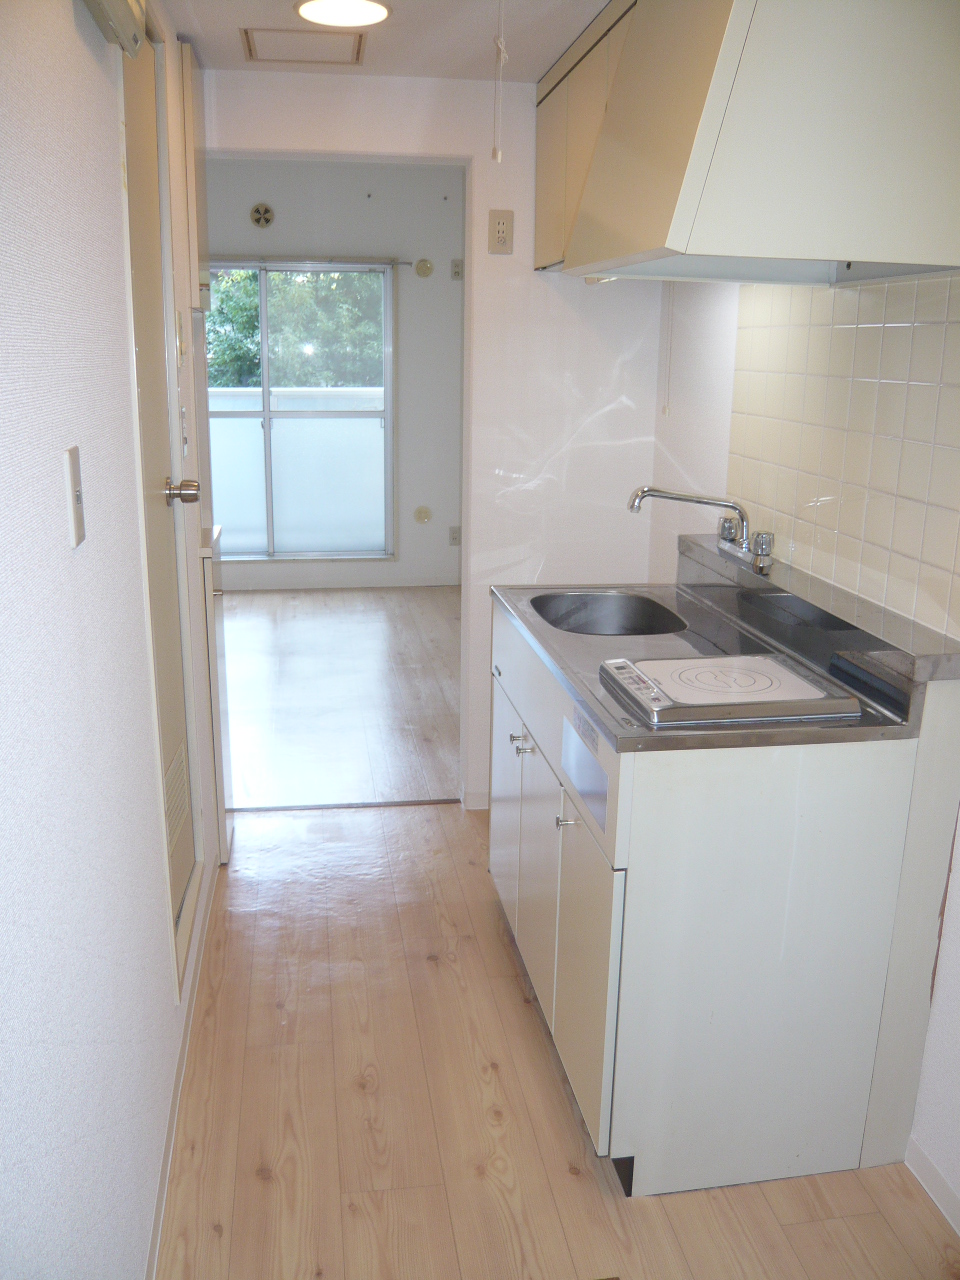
{"points": [[498, 90]]}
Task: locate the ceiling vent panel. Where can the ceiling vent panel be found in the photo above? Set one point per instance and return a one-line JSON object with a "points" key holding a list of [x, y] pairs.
{"points": [[324, 48]]}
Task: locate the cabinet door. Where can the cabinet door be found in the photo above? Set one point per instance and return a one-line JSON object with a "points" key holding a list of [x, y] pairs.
{"points": [[615, 42], [539, 884], [505, 768], [551, 177], [586, 104], [589, 926]]}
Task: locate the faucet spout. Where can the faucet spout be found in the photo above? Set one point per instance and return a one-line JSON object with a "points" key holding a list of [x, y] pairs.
{"points": [[639, 495]]}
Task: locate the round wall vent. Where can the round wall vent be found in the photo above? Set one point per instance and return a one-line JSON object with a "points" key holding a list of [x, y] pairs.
{"points": [[261, 215]]}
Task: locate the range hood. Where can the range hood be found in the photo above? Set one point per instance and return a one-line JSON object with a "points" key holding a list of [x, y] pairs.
{"points": [[813, 141]]}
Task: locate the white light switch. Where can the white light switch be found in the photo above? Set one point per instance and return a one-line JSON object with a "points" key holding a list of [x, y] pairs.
{"points": [[71, 470]]}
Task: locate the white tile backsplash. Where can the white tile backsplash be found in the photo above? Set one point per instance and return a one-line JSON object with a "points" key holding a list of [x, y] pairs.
{"points": [[932, 299], [926, 356], [920, 419], [845, 437], [895, 352]]}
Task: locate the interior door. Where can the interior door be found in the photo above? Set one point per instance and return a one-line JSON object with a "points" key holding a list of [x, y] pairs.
{"points": [[146, 261], [505, 767], [539, 881]]}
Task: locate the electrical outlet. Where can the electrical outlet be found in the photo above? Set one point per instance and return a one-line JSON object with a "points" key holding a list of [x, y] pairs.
{"points": [[456, 269], [500, 234], [454, 535]]}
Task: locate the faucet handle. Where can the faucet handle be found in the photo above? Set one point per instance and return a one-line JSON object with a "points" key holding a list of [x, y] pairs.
{"points": [[728, 529], [761, 544]]}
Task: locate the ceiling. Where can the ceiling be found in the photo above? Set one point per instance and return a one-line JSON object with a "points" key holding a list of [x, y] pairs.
{"points": [[447, 38]]}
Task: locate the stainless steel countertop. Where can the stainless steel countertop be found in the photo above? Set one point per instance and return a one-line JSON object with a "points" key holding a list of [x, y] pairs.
{"points": [[911, 649], [714, 628]]}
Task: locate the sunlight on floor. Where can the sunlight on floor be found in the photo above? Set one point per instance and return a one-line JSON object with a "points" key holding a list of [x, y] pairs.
{"points": [[343, 697]]}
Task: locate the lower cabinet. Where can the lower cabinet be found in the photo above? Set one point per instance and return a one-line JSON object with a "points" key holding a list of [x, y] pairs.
{"points": [[565, 905], [505, 770], [539, 882], [589, 928]]}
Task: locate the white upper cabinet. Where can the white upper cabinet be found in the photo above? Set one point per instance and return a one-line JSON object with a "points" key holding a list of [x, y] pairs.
{"points": [[551, 178], [807, 140], [571, 103]]}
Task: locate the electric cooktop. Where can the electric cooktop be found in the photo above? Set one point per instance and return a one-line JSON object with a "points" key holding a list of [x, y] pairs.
{"points": [[739, 689]]}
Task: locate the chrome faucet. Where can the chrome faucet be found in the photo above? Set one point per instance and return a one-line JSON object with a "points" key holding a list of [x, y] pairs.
{"points": [[733, 536]]}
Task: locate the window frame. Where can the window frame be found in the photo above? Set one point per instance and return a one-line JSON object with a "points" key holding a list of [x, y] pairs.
{"points": [[387, 268]]}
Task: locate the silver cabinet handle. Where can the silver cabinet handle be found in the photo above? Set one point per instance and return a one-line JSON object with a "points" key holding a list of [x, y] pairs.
{"points": [[517, 737], [565, 822], [186, 491], [523, 751]]}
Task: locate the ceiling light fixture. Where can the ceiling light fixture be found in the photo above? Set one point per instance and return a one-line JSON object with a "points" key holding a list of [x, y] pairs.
{"points": [[343, 13]]}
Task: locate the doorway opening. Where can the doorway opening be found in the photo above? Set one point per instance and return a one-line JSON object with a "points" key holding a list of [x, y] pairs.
{"points": [[335, 372]]}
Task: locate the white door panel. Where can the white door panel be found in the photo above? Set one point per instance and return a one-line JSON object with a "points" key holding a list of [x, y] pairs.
{"points": [[143, 193]]}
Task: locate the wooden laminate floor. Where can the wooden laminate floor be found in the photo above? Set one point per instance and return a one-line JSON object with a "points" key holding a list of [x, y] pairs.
{"points": [[343, 697], [371, 1093]]}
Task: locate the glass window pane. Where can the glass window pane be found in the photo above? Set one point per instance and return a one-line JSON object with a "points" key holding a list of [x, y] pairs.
{"points": [[239, 493], [233, 340], [325, 339], [235, 399], [365, 399], [328, 485]]}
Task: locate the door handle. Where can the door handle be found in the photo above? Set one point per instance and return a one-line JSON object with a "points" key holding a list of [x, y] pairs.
{"points": [[517, 737], [186, 491], [523, 751], [565, 822]]}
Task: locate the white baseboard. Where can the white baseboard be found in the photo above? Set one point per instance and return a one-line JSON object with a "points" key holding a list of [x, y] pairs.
{"points": [[308, 575], [476, 800], [934, 1183]]}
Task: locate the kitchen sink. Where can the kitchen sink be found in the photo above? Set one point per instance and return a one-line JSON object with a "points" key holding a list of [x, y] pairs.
{"points": [[606, 613]]}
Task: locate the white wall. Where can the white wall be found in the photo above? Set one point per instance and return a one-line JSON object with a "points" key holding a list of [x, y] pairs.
{"points": [[91, 1033], [559, 379], [351, 209], [698, 340]]}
